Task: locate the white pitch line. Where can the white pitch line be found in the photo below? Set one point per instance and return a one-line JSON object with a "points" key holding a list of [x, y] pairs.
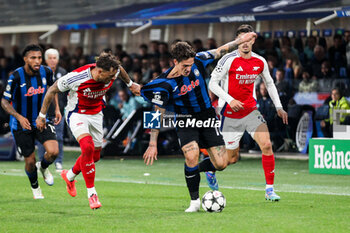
{"points": [[182, 185]]}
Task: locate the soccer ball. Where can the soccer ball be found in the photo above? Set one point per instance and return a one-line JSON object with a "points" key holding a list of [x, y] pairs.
{"points": [[213, 201]]}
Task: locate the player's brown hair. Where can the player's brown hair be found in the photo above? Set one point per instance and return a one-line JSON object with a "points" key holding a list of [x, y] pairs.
{"points": [[182, 51], [106, 61], [244, 28]]}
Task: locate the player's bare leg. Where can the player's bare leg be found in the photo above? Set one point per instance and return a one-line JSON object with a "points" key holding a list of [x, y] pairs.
{"points": [[262, 137], [51, 148], [232, 155], [192, 176], [218, 156]]}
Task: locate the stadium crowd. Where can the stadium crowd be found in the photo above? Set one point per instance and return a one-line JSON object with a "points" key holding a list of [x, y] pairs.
{"points": [[296, 65]]}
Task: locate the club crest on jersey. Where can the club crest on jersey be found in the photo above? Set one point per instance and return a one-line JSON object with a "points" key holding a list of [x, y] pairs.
{"points": [[255, 68], [8, 87], [44, 81], [186, 88], [196, 72], [31, 91]]}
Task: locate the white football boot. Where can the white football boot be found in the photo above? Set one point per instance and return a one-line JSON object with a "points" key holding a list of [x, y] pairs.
{"points": [[46, 174], [195, 205], [37, 194]]}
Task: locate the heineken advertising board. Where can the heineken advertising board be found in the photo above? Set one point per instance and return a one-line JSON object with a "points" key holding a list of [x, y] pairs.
{"points": [[329, 156]]}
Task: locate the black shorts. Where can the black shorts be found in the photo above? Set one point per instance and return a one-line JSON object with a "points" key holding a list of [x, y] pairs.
{"points": [[206, 137], [25, 140]]}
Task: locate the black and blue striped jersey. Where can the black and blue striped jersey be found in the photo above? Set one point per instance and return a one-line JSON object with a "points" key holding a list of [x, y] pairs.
{"points": [[183, 94], [27, 93]]}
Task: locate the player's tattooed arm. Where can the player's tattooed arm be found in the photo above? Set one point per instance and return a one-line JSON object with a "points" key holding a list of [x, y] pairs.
{"points": [[134, 87], [155, 132], [7, 106], [230, 46], [50, 95], [151, 153]]}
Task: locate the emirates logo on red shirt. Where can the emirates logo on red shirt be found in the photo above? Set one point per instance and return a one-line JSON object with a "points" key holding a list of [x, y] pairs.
{"points": [[32, 91]]}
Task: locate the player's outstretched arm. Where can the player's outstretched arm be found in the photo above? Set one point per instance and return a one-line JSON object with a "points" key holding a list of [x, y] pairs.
{"points": [[6, 105], [273, 93], [51, 92], [152, 152], [230, 46], [134, 87]]}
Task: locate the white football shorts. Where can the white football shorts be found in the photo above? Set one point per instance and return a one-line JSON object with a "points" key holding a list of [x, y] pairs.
{"points": [[232, 129], [92, 124]]}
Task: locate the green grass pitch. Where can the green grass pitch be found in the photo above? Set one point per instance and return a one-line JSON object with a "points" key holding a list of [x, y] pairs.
{"points": [[133, 201]]}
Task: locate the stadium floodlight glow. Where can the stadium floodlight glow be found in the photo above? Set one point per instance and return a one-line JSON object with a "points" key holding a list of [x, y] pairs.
{"points": [[143, 27]]}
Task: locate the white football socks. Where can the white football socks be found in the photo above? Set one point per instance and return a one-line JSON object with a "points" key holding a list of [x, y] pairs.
{"points": [[70, 175], [91, 191]]}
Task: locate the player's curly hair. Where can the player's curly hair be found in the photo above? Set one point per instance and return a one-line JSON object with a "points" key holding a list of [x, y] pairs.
{"points": [[31, 47], [106, 61], [244, 28], [182, 51]]}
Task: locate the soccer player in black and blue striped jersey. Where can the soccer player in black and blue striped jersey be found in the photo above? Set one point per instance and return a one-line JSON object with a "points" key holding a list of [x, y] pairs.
{"points": [[182, 90], [22, 99]]}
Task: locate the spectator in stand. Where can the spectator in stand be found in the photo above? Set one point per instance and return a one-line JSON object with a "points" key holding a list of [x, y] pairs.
{"points": [[265, 105], [289, 73], [65, 58], [259, 46], [164, 50], [322, 41], [136, 63], [211, 43], [164, 63], [137, 76], [127, 64], [337, 53], [143, 52], [298, 45], [16, 59], [198, 45], [119, 52], [338, 102], [155, 49], [317, 60], [127, 104], [327, 72], [283, 87], [309, 48], [287, 42], [347, 48], [4, 69], [308, 84], [272, 63]]}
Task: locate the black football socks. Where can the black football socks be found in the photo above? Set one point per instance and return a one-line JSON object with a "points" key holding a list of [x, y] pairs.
{"points": [[193, 178]]}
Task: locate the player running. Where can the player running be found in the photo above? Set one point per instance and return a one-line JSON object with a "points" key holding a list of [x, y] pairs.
{"points": [[87, 87], [26, 89], [182, 90], [237, 72]]}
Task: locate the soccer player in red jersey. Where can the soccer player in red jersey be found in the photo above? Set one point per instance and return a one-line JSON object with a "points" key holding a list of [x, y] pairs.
{"points": [[237, 72], [87, 87]]}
